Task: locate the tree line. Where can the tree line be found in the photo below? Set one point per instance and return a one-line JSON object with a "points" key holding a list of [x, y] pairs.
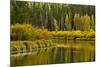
{"points": [[53, 16]]}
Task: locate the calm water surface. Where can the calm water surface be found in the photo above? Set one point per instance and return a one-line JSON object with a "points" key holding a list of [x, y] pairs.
{"points": [[74, 51]]}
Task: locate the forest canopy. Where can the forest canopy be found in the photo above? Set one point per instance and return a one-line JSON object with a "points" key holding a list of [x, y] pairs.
{"points": [[53, 16]]}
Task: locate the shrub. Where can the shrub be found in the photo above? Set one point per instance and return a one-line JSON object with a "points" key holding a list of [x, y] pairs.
{"points": [[77, 33], [22, 32], [41, 34], [27, 32]]}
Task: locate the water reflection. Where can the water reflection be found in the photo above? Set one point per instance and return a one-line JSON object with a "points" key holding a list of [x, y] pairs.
{"points": [[79, 51]]}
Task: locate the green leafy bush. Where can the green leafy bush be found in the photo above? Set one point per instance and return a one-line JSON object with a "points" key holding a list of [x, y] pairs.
{"points": [[78, 34], [27, 32], [41, 33], [22, 32]]}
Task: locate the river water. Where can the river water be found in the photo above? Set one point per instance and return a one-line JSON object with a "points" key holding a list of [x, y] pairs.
{"points": [[74, 51]]}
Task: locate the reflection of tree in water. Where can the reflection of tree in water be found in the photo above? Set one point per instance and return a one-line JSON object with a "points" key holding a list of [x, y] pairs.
{"points": [[58, 55]]}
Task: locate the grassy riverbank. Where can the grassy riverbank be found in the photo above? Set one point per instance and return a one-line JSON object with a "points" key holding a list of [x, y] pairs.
{"points": [[27, 46], [25, 37], [73, 35], [30, 46], [29, 33]]}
